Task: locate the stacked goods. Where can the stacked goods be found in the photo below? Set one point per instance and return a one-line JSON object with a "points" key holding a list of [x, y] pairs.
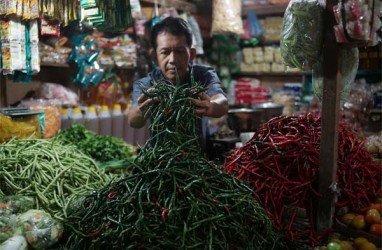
{"points": [[263, 59], [175, 198], [281, 162]]}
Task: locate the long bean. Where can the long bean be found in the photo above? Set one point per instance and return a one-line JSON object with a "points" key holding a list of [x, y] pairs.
{"points": [[45, 170]]}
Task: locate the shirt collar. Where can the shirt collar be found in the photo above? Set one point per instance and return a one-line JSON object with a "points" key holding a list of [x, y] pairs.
{"points": [[157, 75]]}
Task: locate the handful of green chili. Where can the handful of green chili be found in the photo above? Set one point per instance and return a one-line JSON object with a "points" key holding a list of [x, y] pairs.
{"points": [[175, 198], [302, 34]]}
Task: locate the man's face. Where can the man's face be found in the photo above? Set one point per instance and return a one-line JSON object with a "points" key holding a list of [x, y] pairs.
{"points": [[173, 55]]}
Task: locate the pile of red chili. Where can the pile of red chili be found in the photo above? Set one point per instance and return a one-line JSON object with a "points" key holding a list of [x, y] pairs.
{"points": [[281, 163]]}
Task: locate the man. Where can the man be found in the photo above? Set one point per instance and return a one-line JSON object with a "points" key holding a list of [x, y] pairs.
{"points": [[171, 40]]}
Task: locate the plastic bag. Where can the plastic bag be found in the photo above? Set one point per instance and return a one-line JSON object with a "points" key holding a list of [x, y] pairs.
{"points": [[356, 109], [357, 22], [350, 60], [255, 29], [9, 207], [57, 93], [301, 37], [39, 228], [226, 17]]}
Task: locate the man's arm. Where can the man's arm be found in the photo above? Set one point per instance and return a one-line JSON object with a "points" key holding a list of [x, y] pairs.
{"points": [[214, 106], [136, 118]]}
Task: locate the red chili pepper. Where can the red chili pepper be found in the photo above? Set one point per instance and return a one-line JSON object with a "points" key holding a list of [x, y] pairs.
{"points": [[96, 233], [164, 214], [111, 195]]}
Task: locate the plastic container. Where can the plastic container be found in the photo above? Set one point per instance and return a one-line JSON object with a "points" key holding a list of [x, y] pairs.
{"points": [[91, 120], [77, 116], [117, 121], [65, 121], [104, 121], [128, 132]]}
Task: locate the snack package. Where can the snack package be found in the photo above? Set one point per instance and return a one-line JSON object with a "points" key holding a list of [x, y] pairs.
{"points": [[52, 115], [39, 228], [226, 17], [301, 36], [20, 123]]}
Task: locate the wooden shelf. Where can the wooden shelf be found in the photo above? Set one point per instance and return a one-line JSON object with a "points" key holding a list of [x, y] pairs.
{"points": [[269, 74], [262, 10], [58, 65], [177, 4]]}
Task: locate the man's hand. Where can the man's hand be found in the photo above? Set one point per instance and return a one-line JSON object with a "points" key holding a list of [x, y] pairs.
{"points": [[136, 115], [215, 106], [144, 101]]}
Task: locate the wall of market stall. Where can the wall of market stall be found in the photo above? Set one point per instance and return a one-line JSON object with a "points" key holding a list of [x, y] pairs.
{"points": [[257, 63]]}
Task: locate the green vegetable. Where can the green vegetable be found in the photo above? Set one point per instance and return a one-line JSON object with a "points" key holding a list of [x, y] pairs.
{"points": [[102, 148], [302, 34], [50, 172], [175, 198]]}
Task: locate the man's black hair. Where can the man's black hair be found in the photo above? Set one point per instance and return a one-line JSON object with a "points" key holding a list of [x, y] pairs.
{"points": [[175, 26]]}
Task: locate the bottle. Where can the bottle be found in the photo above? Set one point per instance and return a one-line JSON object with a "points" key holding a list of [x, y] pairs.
{"points": [[65, 121], [91, 119], [128, 132], [77, 116], [117, 121], [104, 119]]}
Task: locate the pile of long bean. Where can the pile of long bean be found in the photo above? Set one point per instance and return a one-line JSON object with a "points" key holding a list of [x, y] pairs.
{"points": [[175, 199], [281, 163], [53, 173]]}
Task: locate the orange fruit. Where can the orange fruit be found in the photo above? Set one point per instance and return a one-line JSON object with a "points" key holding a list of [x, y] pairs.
{"points": [[376, 229], [346, 245], [347, 218], [367, 246], [372, 216], [358, 222], [359, 241]]}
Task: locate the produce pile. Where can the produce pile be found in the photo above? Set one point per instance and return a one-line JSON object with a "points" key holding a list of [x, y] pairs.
{"points": [[104, 149], [50, 172], [175, 198], [281, 163]]}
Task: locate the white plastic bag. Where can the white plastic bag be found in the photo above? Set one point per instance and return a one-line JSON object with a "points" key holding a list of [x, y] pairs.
{"points": [[226, 17]]}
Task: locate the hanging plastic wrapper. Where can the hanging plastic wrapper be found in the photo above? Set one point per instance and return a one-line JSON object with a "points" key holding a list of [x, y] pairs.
{"points": [[197, 39], [85, 56], [226, 17], [357, 22], [358, 105], [301, 36], [350, 60]]}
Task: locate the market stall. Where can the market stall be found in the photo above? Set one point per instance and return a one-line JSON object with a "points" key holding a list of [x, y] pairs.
{"points": [[295, 163]]}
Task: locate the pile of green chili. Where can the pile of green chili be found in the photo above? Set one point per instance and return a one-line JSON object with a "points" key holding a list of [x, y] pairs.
{"points": [[175, 198]]}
